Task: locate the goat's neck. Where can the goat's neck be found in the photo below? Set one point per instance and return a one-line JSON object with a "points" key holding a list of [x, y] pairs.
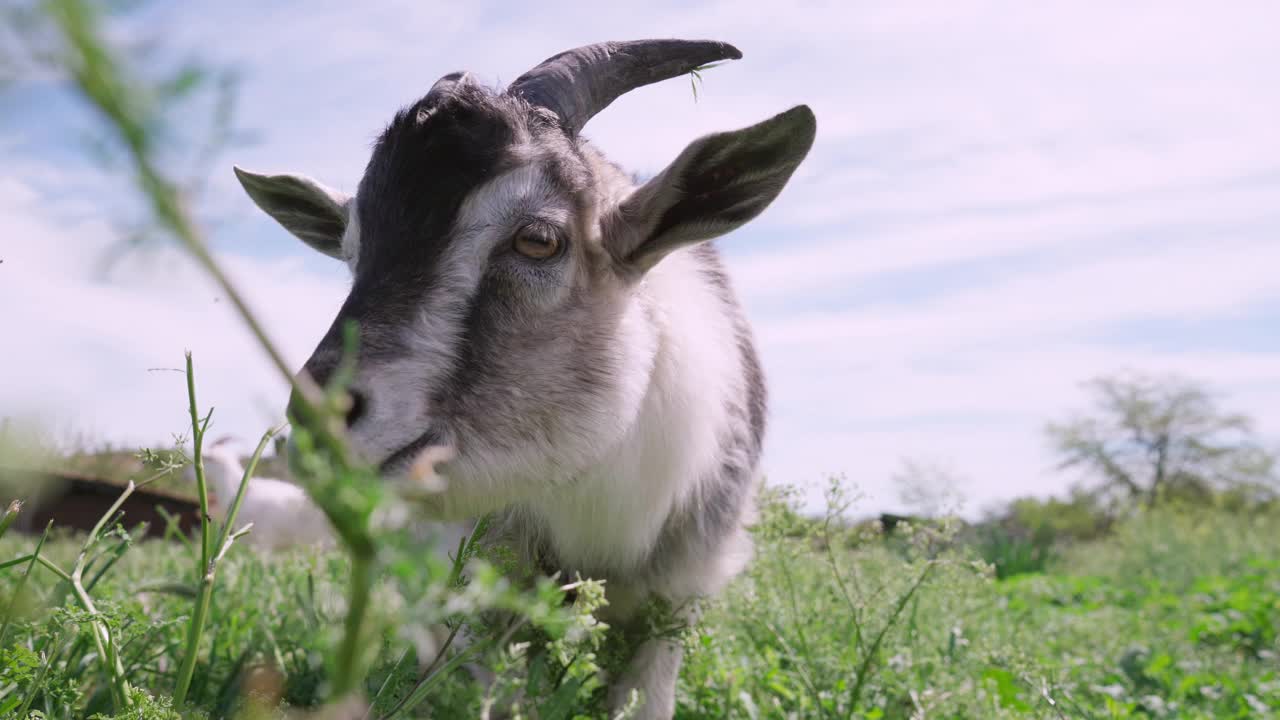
{"points": [[613, 513]]}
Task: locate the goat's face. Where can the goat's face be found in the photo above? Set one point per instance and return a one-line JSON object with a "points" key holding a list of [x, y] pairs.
{"points": [[494, 261]]}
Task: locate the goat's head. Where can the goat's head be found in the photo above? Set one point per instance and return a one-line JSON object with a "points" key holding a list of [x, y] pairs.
{"points": [[494, 256]]}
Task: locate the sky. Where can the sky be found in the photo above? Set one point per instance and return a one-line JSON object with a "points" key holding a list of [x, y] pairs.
{"points": [[1004, 200]]}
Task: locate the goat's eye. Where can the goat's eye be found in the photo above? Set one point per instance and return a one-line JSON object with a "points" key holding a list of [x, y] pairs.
{"points": [[537, 243]]}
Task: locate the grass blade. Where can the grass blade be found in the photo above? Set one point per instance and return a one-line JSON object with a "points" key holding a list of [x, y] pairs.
{"points": [[209, 566], [22, 583]]}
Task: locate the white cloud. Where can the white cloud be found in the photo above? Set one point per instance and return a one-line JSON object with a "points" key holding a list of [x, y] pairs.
{"points": [[1188, 281], [84, 348], [785, 264]]}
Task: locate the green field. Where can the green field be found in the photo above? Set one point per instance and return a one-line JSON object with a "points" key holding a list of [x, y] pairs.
{"points": [[1174, 614]]}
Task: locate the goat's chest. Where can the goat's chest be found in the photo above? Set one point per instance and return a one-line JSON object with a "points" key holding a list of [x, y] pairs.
{"points": [[606, 524]]}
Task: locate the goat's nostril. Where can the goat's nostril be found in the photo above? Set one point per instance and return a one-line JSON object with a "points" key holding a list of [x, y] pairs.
{"points": [[357, 409]]}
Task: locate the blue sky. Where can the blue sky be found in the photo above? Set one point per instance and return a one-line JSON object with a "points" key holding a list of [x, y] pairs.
{"points": [[1003, 201]]}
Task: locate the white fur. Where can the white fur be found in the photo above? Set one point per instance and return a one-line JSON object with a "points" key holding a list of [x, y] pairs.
{"points": [[653, 671], [682, 355]]}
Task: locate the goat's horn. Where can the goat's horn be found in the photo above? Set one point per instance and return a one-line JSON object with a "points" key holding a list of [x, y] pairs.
{"points": [[578, 83]]}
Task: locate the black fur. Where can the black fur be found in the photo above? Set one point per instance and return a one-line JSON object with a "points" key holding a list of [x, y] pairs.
{"points": [[432, 155]]}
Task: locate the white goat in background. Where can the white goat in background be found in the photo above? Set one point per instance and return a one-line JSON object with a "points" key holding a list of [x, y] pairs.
{"points": [[282, 514]]}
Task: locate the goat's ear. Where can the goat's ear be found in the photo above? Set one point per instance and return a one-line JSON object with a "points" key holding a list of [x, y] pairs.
{"points": [[316, 214], [716, 185]]}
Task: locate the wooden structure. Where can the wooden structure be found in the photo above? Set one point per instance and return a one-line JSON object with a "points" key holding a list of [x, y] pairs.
{"points": [[77, 502]]}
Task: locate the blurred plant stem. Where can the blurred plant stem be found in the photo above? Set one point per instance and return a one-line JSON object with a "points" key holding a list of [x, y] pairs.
{"points": [[98, 75]]}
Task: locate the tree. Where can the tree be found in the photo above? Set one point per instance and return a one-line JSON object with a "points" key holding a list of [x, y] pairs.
{"points": [[1155, 438]]}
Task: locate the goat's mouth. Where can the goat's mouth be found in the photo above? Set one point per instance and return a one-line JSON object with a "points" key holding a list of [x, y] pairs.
{"points": [[404, 457]]}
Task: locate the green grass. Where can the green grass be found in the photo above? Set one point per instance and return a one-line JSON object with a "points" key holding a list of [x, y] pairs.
{"points": [[1175, 615]]}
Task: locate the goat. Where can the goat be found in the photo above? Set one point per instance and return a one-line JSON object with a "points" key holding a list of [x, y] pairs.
{"points": [[282, 514], [570, 339]]}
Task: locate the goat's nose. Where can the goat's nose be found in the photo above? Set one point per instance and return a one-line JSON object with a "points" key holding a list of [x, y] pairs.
{"points": [[359, 404]]}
